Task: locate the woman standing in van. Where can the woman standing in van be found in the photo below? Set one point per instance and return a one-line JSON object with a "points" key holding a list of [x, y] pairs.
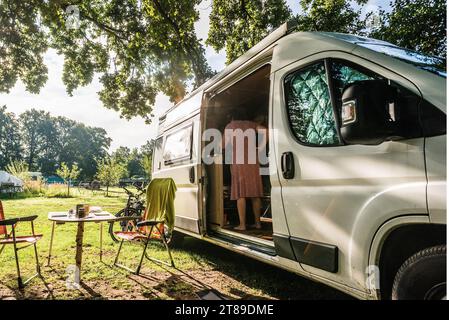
{"points": [[241, 152]]}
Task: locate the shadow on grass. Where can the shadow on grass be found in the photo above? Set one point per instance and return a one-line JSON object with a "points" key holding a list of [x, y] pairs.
{"points": [[26, 293], [276, 282]]}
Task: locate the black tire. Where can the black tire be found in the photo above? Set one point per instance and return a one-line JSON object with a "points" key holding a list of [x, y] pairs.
{"points": [[422, 276], [120, 226]]}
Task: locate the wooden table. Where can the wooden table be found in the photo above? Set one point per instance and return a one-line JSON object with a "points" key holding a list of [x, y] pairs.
{"points": [[63, 217]]}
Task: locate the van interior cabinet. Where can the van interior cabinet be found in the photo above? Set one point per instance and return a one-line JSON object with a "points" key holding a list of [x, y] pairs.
{"points": [[215, 216]]}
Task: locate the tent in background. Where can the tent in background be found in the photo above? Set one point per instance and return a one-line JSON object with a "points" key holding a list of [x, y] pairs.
{"points": [[9, 183]]}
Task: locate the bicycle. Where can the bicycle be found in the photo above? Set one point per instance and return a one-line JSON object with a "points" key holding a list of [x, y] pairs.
{"points": [[135, 207]]}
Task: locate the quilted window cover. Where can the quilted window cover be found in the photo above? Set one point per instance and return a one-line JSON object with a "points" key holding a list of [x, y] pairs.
{"points": [[308, 101], [309, 106], [344, 75]]}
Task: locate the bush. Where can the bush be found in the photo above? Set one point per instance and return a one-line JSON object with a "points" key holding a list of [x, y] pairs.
{"points": [[34, 188]]}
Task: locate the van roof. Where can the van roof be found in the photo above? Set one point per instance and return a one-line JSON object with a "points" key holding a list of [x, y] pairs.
{"points": [[284, 29], [274, 36]]}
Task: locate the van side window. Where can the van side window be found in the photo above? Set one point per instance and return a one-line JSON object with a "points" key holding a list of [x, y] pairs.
{"points": [[178, 145], [404, 111], [343, 75], [309, 106]]}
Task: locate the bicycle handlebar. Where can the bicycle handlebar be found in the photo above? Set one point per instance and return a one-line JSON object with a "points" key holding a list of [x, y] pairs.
{"points": [[132, 194], [127, 191]]}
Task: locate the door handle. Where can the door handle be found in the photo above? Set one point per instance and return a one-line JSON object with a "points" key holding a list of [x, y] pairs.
{"points": [[288, 165], [192, 175]]}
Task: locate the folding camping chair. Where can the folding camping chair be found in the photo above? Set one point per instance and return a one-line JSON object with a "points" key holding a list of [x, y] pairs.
{"points": [[11, 238], [164, 190]]}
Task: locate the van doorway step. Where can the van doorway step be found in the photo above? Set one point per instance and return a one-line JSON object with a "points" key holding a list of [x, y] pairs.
{"points": [[271, 251]]}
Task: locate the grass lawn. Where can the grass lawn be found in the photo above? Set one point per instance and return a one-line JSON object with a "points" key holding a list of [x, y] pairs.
{"points": [[200, 266]]}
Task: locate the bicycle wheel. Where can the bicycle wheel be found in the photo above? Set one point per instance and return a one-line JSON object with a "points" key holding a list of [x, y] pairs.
{"points": [[123, 225]]}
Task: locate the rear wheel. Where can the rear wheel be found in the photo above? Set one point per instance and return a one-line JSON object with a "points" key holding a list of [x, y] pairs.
{"points": [[422, 276], [123, 225]]}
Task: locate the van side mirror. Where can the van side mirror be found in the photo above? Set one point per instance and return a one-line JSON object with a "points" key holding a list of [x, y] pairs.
{"points": [[367, 113]]}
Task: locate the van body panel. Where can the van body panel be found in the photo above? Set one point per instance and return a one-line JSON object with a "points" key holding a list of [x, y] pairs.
{"points": [[377, 244], [187, 200], [341, 195], [281, 233], [279, 222], [436, 175], [289, 265], [297, 46], [183, 111]]}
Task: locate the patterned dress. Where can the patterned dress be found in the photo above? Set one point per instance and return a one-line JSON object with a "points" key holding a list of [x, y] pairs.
{"points": [[246, 181]]}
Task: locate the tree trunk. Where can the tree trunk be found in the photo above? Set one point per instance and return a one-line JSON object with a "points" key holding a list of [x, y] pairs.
{"points": [[68, 188], [107, 190]]}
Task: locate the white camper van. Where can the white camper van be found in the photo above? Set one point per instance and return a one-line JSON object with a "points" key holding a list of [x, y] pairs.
{"points": [[355, 195]]}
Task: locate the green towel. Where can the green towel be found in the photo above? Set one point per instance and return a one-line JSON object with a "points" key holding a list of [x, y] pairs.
{"points": [[160, 201]]}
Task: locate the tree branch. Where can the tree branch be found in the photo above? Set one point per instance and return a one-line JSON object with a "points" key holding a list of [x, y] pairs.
{"points": [[190, 50], [111, 30]]}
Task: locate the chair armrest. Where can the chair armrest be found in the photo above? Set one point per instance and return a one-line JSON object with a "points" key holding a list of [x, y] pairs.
{"points": [[27, 218], [148, 223], [8, 222]]}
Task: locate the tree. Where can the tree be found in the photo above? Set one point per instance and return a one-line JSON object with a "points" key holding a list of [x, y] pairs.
{"points": [[19, 169], [39, 136], [10, 146], [147, 164], [22, 45], [48, 152], [147, 157], [331, 16], [68, 174], [133, 159], [109, 172], [85, 144], [138, 48], [122, 155], [237, 25], [49, 141], [134, 166], [148, 147], [415, 24]]}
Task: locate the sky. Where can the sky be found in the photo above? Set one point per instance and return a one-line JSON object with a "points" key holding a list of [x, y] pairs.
{"points": [[84, 106]]}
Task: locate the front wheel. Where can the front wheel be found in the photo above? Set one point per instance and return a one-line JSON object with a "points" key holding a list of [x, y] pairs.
{"points": [[123, 225], [422, 276]]}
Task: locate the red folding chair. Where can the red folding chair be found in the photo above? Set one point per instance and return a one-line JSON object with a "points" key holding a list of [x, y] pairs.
{"points": [[11, 238]]}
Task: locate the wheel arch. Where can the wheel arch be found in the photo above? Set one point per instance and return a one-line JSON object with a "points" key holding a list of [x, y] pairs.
{"points": [[397, 240]]}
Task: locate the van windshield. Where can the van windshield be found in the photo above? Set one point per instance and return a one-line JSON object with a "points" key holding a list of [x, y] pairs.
{"points": [[429, 63]]}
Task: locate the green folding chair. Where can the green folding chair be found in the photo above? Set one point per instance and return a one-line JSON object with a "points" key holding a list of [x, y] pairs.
{"points": [[145, 226]]}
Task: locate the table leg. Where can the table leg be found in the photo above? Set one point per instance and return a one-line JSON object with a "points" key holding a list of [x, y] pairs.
{"points": [[101, 241], [79, 245], [51, 242]]}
